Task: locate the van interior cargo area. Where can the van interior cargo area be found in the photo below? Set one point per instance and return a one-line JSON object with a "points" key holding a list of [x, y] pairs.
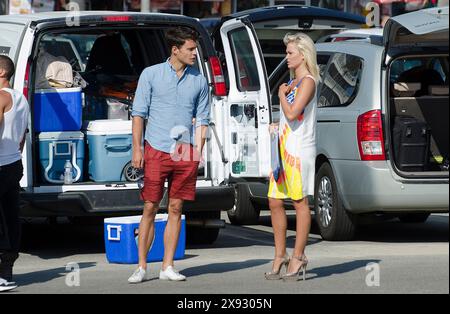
{"points": [[419, 114], [84, 86]]}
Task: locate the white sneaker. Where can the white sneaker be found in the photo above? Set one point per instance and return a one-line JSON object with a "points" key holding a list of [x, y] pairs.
{"points": [[171, 274], [140, 275], [6, 286]]}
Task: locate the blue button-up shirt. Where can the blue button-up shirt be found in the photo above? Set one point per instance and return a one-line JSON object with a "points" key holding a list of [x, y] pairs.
{"points": [[170, 103]]}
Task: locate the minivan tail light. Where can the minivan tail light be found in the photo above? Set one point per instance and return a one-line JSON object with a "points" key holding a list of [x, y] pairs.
{"points": [[26, 81], [220, 87], [370, 136]]}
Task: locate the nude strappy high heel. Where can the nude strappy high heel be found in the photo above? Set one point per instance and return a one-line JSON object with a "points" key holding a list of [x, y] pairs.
{"points": [[276, 275], [295, 276]]}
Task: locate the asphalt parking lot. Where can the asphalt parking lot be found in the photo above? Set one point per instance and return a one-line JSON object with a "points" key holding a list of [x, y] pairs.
{"points": [[408, 259]]}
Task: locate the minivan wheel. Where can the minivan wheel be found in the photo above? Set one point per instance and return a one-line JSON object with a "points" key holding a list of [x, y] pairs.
{"points": [[416, 218], [243, 212], [334, 221]]}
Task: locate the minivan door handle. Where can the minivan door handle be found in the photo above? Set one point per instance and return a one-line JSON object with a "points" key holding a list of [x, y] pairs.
{"points": [[329, 121]]}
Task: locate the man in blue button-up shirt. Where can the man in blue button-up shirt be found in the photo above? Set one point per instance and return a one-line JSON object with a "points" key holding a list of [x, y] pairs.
{"points": [[174, 97]]}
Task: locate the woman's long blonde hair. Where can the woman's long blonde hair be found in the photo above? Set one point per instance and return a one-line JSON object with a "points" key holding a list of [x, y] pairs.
{"points": [[306, 46]]}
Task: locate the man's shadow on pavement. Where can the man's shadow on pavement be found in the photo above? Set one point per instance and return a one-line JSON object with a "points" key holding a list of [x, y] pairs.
{"points": [[44, 276], [220, 268]]}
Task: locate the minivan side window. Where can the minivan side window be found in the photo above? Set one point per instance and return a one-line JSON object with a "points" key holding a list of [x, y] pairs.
{"points": [[244, 60], [341, 82]]}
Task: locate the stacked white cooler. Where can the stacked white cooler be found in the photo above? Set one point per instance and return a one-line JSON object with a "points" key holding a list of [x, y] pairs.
{"points": [[110, 149]]}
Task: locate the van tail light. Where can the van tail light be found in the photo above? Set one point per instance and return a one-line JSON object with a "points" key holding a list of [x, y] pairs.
{"points": [[370, 136], [117, 18], [26, 81], [220, 88]]}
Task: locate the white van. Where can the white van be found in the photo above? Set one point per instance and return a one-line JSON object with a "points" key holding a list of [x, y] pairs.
{"points": [[119, 46]]}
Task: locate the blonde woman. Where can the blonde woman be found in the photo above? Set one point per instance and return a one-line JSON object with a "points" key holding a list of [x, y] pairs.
{"points": [[297, 138]]}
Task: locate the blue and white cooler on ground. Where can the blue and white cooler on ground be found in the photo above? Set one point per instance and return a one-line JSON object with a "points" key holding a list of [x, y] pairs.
{"points": [[55, 148], [121, 240], [58, 110], [110, 149]]}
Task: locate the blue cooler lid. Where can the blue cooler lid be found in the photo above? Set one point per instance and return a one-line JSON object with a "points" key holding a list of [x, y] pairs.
{"points": [[131, 220], [59, 90]]}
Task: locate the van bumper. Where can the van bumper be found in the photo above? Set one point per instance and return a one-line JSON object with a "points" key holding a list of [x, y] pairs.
{"points": [[117, 203], [374, 187]]}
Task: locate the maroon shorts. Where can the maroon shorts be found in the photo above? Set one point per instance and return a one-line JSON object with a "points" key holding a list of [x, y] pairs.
{"points": [[179, 168]]}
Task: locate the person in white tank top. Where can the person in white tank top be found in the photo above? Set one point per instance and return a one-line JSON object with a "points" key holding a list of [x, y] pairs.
{"points": [[14, 114]]}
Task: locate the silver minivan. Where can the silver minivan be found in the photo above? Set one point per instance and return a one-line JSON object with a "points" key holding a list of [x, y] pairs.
{"points": [[383, 124]]}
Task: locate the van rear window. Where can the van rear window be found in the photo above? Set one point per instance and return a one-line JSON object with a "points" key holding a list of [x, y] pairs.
{"points": [[10, 37], [244, 60]]}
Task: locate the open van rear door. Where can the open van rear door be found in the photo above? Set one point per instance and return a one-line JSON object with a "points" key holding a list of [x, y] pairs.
{"points": [[247, 108]]}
